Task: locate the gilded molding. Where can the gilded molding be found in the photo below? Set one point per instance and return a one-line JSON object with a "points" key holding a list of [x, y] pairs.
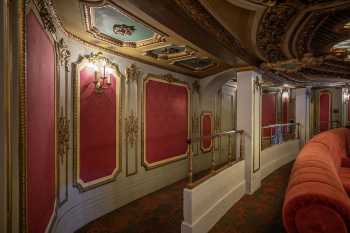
{"points": [[63, 135], [133, 73], [203, 114], [82, 61], [166, 78], [131, 129], [45, 16]]}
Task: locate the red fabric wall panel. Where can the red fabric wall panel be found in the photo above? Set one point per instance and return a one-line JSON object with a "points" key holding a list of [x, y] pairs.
{"points": [[268, 112], [325, 107], [348, 110], [40, 126], [206, 131], [166, 110], [285, 110], [97, 128]]}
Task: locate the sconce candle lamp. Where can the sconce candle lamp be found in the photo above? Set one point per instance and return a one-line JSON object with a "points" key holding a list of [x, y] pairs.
{"points": [[285, 94], [346, 95], [103, 72]]}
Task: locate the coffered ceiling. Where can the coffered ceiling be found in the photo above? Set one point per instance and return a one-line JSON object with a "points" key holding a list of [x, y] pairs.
{"points": [[304, 42], [122, 28]]}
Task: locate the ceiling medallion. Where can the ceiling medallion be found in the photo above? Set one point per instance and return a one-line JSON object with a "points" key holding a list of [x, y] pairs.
{"points": [[110, 23], [293, 65], [123, 29]]}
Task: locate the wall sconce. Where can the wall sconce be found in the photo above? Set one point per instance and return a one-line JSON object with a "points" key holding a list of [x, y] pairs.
{"points": [[346, 95], [285, 94], [103, 72]]}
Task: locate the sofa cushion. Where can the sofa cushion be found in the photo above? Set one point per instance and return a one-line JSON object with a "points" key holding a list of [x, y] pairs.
{"points": [[319, 219]]}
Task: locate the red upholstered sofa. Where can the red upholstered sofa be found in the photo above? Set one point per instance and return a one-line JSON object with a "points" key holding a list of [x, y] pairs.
{"points": [[317, 198]]}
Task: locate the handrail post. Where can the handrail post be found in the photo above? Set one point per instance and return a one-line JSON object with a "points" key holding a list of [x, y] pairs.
{"points": [[241, 145], [229, 149], [190, 162], [213, 164]]}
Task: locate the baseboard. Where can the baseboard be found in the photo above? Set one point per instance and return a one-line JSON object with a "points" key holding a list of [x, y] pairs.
{"points": [[214, 214]]}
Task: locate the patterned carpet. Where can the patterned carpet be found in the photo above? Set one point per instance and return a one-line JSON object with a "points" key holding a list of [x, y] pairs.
{"points": [[161, 211]]}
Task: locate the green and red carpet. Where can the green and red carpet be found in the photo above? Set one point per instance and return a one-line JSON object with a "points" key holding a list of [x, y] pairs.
{"points": [[161, 211]]}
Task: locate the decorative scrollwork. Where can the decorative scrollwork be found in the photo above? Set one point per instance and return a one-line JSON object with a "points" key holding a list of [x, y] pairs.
{"points": [[63, 135], [63, 54], [131, 129], [272, 28], [45, 16], [196, 86], [294, 65], [133, 73]]}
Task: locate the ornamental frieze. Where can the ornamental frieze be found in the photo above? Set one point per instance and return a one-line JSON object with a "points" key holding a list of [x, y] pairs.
{"points": [[272, 29]]}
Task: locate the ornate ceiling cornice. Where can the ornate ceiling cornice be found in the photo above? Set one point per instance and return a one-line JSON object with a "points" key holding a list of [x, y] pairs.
{"points": [[205, 20], [272, 28]]}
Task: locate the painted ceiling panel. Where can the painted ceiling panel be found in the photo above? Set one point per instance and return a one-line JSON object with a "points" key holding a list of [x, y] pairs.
{"points": [[106, 19], [196, 64]]}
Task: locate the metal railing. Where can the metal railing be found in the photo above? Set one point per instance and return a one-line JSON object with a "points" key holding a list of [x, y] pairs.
{"points": [[278, 133], [328, 125], [215, 168]]}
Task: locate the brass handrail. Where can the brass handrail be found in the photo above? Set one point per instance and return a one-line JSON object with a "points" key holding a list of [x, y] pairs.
{"points": [[296, 133], [278, 125], [191, 184], [231, 132]]}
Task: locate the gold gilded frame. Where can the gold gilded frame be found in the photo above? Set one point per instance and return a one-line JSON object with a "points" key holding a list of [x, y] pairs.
{"points": [[40, 10], [169, 79], [80, 184], [203, 114]]}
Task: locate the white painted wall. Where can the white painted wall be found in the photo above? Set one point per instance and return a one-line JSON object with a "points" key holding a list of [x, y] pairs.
{"points": [[302, 113], [248, 119], [205, 204], [278, 155]]}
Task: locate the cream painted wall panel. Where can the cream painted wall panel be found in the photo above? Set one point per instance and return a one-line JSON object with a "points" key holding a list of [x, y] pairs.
{"points": [[278, 155], [205, 204], [82, 208]]}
